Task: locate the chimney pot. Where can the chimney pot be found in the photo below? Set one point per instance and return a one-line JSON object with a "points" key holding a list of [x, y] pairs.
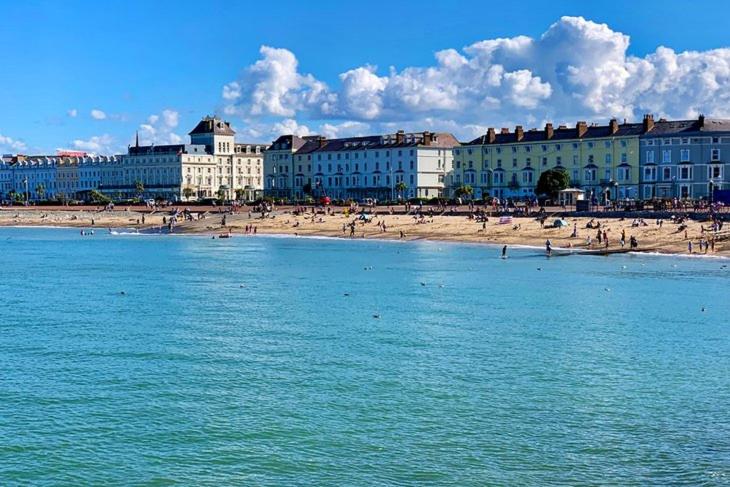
{"points": [[519, 133], [549, 132], [504, 131], [613, 125], [648, 123]]}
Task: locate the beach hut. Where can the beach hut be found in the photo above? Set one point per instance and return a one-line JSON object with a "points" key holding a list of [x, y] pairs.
{"points": [[568, 196]]}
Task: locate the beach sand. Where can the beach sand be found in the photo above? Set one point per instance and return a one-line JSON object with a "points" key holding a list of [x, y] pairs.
{"points": [[522, 231]]}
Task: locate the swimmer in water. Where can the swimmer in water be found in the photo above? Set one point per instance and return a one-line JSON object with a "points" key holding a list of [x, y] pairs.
{"points": [[504, 252]]}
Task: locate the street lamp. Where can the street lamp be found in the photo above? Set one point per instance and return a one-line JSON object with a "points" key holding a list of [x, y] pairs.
{"points": [[25, 181]]}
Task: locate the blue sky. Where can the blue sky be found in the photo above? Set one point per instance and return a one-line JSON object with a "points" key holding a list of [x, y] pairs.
{"points": [[159, 66]]}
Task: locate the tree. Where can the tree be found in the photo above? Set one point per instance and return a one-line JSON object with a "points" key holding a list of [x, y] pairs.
{"points": [[551, 182], [239, 194], [401, 187], [40, 190], [188, 193], [464, 190], [139, 188], [221, 194], [307, 188], [99, 198]]}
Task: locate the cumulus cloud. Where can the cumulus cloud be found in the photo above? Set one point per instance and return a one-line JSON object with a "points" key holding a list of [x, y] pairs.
{"points": [[9, 143], [97, 114], [160, 129], [577, 69], [98, 144], [72, 113]]}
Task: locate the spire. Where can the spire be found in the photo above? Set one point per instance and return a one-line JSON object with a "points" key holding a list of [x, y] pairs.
{"points": [[136, 143]]}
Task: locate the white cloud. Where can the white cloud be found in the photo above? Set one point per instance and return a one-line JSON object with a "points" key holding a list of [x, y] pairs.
{"points": [[159, 129], [98, 144], [72, 113], [9, 143], [577, 69], [97, 114], [289, 126]]}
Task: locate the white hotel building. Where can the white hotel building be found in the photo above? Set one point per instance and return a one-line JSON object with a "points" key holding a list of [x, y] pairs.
{"points": [[360, 167], [212, 162]]}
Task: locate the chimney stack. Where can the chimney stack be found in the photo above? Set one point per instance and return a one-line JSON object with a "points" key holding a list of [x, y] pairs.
{"points": [[504, 131], [701, 121], [491, 135], [519, 133], [322, 141], [613, 125], [427, 138], [549, 131], [400, 137], [581, 128], [648, 123]]}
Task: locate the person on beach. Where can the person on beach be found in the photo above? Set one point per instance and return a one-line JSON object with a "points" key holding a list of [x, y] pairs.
{"points": [[548, 247], [689, 246], [504, 252]]}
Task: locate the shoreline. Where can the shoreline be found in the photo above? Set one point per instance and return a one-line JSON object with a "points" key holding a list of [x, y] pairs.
{"points": [[669, 238]]}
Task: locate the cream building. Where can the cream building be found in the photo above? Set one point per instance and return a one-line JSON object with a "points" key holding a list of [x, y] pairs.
{"points": [[212, 164]]}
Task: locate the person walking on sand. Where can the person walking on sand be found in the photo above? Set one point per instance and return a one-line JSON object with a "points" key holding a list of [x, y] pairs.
{"points": [[689, 246]]}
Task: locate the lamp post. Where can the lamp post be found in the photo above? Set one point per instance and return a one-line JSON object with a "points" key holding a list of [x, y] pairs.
{"points": [[25, 181], [712, 190]]}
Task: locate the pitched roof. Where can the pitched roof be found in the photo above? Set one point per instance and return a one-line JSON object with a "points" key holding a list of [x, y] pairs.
{"points": [[212, 125], [564, 133], [311, 144], [689, 127]]}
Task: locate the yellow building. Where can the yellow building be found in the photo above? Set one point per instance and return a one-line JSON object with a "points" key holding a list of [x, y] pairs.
{"points": [[603, 160]]}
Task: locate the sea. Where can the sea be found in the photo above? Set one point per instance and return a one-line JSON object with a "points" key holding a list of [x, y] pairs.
{"points": [[188, 360]]}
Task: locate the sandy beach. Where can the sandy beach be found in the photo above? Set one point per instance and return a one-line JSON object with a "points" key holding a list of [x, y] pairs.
{"points": [[670, 237]]}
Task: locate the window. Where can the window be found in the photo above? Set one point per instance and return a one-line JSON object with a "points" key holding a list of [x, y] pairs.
{"points": [[558, 160], [544, 148], [649, 142], [590, 145], [575, 145], [544, 161], [527, 177], [649, 173], [590, 159], [514, 162], [716, 140], [590, 175], [714, 172], [607, 144], [685, 173], [684, 155], [666, 173], [528, 148], [666, 156], [684, 140], [623, 143], [650, 156], [624, 158], [715, 155], [608, 158], [666, 141]]}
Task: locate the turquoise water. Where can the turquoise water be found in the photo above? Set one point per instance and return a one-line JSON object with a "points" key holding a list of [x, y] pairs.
{"points": [[243, 362]]}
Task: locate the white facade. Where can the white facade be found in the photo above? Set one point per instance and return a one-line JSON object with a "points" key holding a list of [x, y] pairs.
{"points": [[360, 167]]}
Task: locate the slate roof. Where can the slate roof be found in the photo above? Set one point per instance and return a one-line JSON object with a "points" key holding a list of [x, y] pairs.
{"points": [[309, 144], [592, 132], [689, 127], [212, 125]]}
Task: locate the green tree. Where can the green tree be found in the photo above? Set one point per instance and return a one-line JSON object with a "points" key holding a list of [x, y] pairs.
{"points": [[551, 182], [221, 194], [465, 191], [99, 198], [188, 193], [239, 194], [139, 188], [40, 190], [401, 187]]}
